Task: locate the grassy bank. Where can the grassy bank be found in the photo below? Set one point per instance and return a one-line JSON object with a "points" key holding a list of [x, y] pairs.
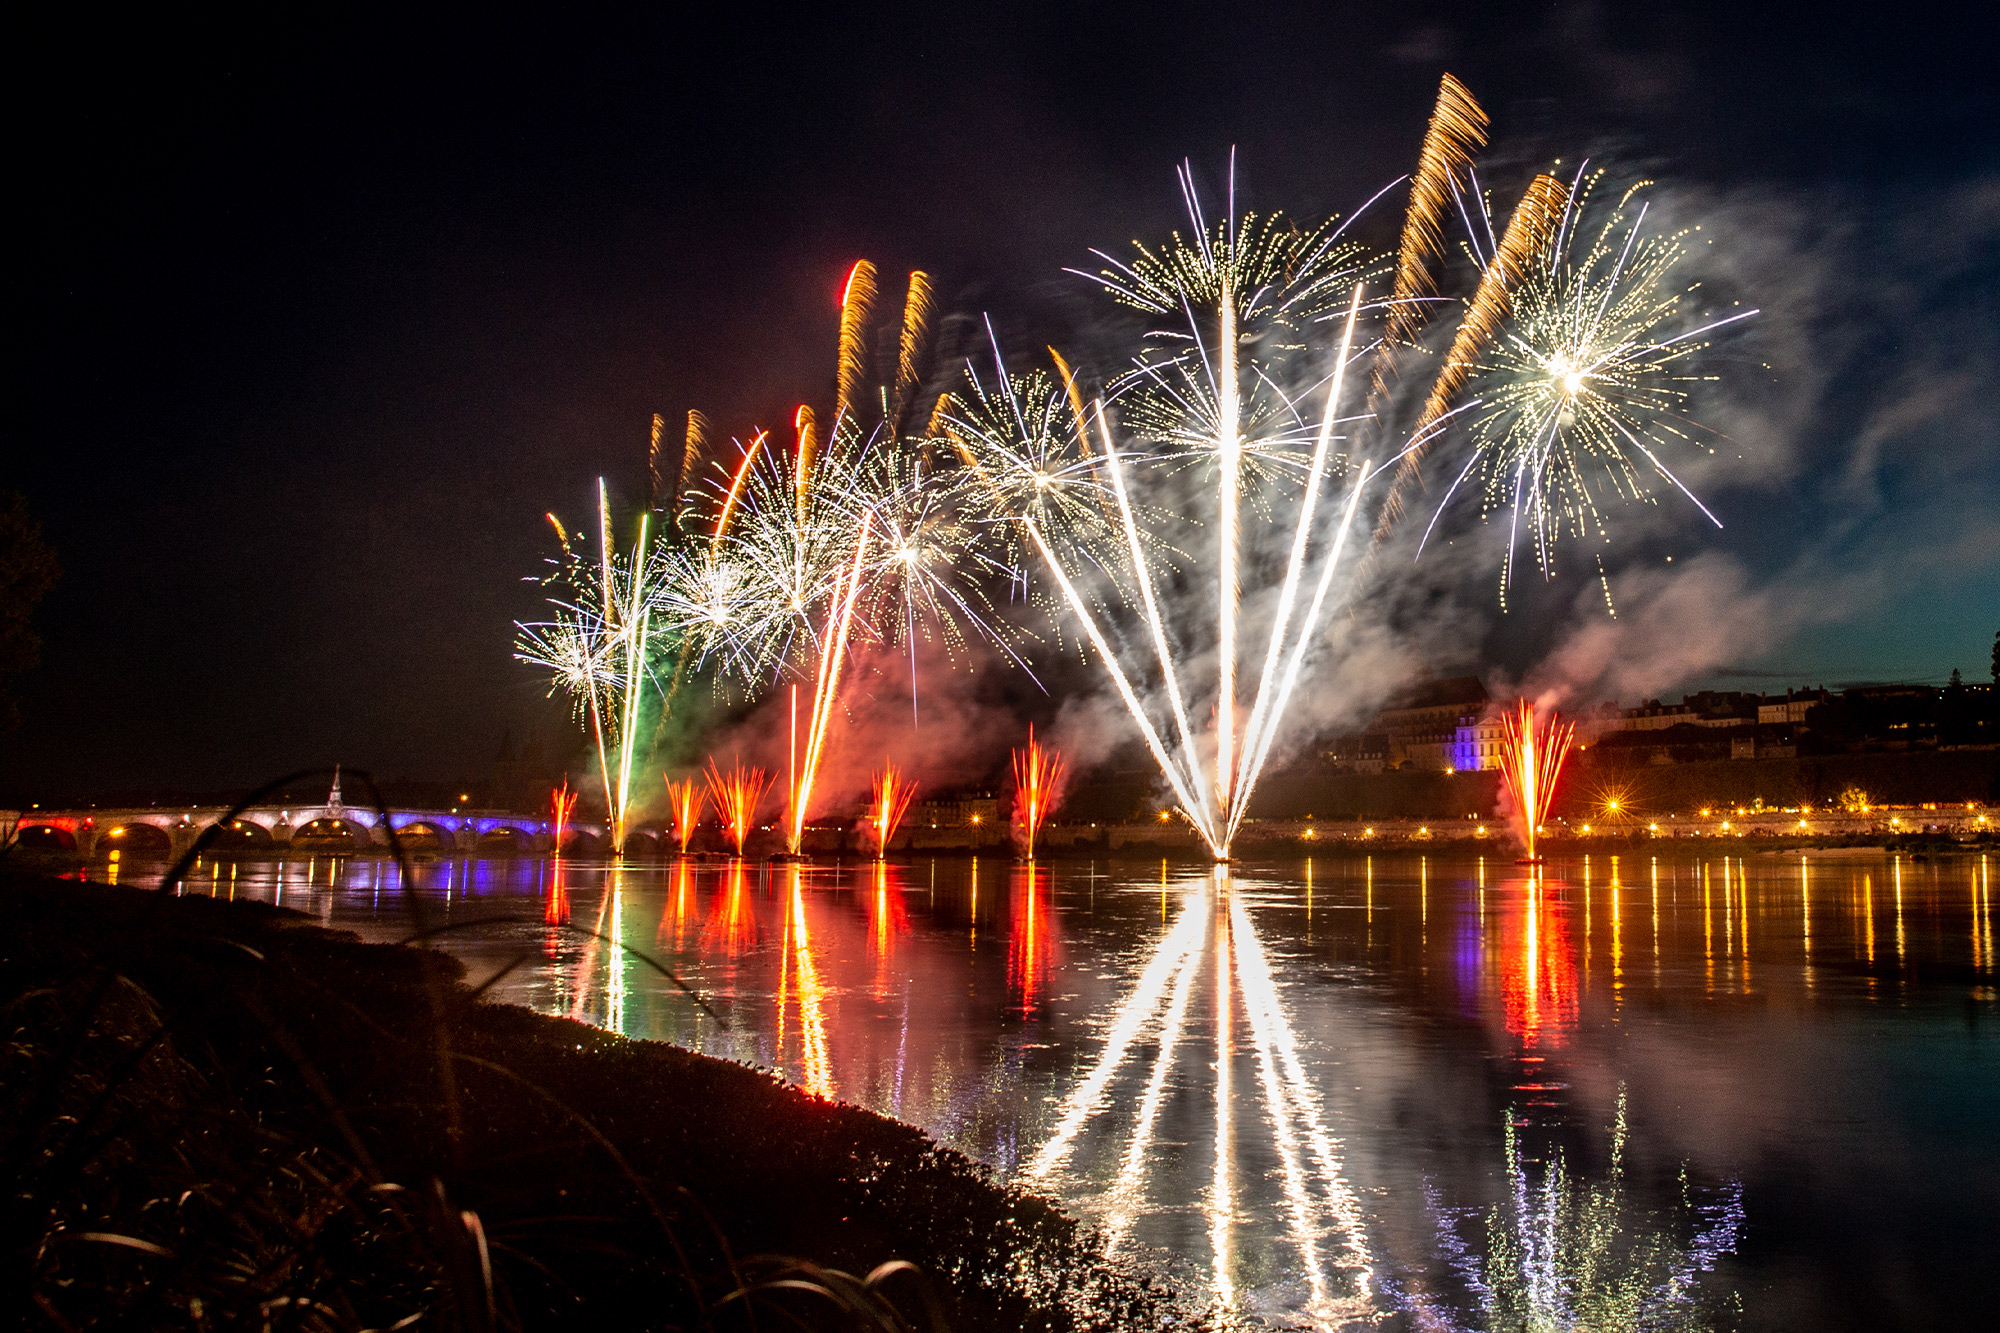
{"points": [[219, 1115]]}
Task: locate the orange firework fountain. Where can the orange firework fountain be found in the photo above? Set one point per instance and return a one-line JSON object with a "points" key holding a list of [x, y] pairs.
{"points": [[562, 804], [1038, 775], [1532, 761], [736, 795], [885, 811], [685, 799]]}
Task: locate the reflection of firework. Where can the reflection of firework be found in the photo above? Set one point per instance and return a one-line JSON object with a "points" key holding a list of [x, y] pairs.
{"points": [[1567, 1252], [1031, 936], [684, 802], [731, 928], [556, 911], [735, 795], [1537, 972], [892, 796], [1038, 775], [1531, 760]]}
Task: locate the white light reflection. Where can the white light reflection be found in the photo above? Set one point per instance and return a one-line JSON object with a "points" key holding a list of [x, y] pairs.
{"points": [[1294, 1100], [1132, 1017], [1125, 1191], [1322, 1212]]}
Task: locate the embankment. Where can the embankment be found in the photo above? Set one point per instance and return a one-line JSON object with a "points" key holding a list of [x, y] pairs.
{"points": [[221, 1115]]}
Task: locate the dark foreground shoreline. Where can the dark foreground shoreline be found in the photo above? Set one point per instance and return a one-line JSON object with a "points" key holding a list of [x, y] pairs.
{"points": [[220, 1115]]}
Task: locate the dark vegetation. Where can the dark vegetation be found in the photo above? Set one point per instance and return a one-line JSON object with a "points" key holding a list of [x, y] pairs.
{"points": [[219, 1115]]}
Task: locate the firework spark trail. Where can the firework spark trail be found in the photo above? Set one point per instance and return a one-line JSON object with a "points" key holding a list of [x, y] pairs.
{"points": [[1295, 567], [1532, 760], [1038, 773], [730, 497], [1143, 575], [562, 805], [637, 623], [1134, 1013], [1528, 231], [1457, 131], [892, 797], [1196, 811], [1588, 378], [857, 301], [1311, 622], [693, 447], [1229, 466], [598, 649], [736, 795], [840, 614], [684, 803]]}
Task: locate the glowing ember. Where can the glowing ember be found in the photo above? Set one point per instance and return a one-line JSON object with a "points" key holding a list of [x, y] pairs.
{"points": [[1038, 775], [1532, 761], [885, 811], [736, 795], [686, 801]]}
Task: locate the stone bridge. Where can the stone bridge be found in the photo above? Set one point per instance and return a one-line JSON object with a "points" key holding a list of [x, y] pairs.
{"points": [[329, 826]]}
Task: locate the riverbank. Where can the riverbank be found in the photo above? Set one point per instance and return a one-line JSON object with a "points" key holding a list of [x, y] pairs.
{"points": [[220, 1111]]}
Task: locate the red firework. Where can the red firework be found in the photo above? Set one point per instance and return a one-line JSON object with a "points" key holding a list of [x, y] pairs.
{"points": [[1534, 758], [562, 804], [885, 811], [686, 802], [1038, 775], [736, 795]]}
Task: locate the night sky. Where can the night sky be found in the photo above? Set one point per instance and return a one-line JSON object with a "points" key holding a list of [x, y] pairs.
{"points": [[319, 311]]}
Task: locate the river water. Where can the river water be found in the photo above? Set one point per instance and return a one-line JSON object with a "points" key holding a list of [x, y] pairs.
{"points": [[1398, 1091]]}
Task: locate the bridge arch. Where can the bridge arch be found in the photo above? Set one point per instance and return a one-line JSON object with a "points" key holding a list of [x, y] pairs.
{"points": [[45, 837], [583, 842], [502, 840], [135, 837], [330, 833], [426, 836], [241, 835]]}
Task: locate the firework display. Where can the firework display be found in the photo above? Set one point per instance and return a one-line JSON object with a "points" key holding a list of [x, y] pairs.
{"points": [[562, 805], [736, 796], [1038, 776], [1584, 393], [684, 804], [1532, 756], [599, 648], [1186, 519], [892, 796]]}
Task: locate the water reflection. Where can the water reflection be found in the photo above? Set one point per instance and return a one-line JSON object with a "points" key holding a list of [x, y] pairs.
{"points": [[1409, 1091], [1563, 1251], [1537, 968], [798, 974], [1032, 941]]}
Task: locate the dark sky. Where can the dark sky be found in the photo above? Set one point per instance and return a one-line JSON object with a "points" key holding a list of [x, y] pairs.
{"points": [[320, 310]]}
